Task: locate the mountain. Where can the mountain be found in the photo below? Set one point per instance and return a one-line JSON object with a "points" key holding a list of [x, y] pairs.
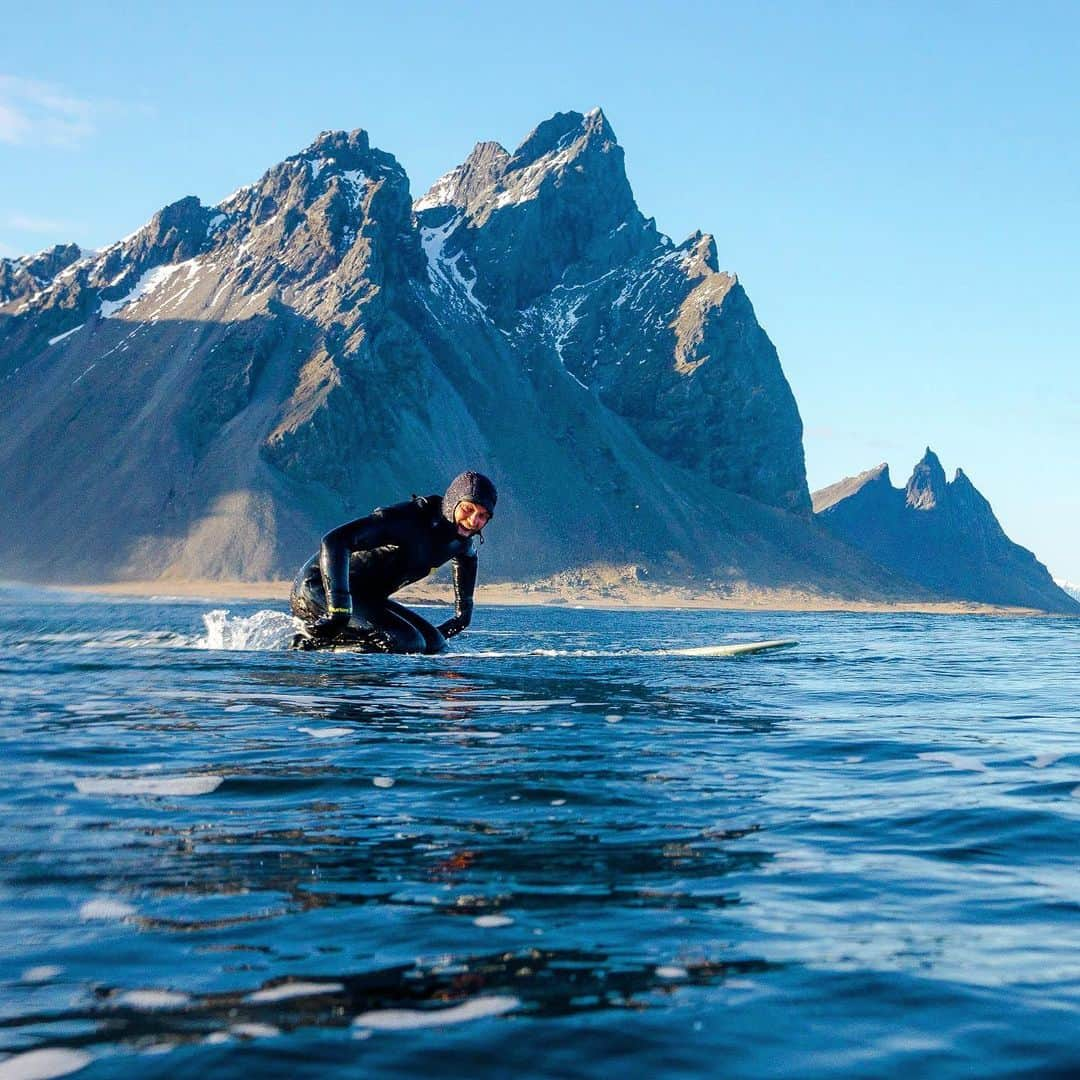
{"points": [[941, 534], [208, 396], [561, 260], [1072, 589]]}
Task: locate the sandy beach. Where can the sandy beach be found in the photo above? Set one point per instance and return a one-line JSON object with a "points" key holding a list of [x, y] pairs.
{"points": [[620, 595]]}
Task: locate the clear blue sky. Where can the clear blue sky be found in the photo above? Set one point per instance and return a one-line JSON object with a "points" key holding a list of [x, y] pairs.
{"points": [[896, 184]]}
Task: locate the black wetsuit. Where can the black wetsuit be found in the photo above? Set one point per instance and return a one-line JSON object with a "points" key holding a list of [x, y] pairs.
{"points": [[361, 563]]}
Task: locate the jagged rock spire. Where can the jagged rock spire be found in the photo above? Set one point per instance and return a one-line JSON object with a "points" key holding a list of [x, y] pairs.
{"points": [[927, 484]]}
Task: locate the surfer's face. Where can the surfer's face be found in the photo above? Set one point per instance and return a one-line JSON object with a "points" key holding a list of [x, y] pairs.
{"points": [[470, 517]]}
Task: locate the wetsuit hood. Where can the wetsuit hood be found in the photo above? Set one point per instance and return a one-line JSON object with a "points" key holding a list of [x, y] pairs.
{"points": [[473, 486]]}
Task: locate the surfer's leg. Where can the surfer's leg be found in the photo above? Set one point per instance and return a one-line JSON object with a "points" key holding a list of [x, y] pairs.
{"points": [[380, 626], [307, 601], [434, 642], [375, 625]]}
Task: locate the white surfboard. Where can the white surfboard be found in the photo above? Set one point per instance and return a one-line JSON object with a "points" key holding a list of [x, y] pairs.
{"points": [[742, 648]]}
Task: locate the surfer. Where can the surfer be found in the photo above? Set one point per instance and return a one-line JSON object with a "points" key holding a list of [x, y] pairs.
{"points": [[342, 593]]}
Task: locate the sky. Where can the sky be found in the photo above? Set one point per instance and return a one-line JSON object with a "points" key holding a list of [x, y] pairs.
{"points": [[897, 185]]}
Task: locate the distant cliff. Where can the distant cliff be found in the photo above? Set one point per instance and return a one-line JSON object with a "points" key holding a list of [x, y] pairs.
{"points": [[209, 395], [940, 534]]}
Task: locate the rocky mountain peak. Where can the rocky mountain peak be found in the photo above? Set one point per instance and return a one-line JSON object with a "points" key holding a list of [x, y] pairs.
{"points": [[470, 180], [45, 265], [566, 161], [336, 173], [701, 257], [958, 550], [965, 499], [595, 117], [560, 133], [341, 208], [176, 232], [875, 478], [349, 155], [491, 179], [560, 203], [567, 143], [926, 488], [23, 276], [334, 144]]}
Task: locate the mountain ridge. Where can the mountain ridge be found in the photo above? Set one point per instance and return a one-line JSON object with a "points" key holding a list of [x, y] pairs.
{"points": [[940, 533], [208, 395]]}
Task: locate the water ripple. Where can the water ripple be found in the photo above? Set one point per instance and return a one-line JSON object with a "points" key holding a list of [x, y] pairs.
{"points": [[850, 858]]}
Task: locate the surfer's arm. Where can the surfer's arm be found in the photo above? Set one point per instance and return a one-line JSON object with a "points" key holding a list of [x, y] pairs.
{"points": [[337, 545], [464, 585]]}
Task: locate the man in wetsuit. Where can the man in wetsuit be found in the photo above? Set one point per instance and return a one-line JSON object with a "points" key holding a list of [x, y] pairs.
{"points": [[342, 593]]}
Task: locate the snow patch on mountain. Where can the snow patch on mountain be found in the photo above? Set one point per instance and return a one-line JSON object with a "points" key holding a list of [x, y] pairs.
{"points": [[60, 337], [148, 283], [441, 192], [526, 182], [444, 270]]}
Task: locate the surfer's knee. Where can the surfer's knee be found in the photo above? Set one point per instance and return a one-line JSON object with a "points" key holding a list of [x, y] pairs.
{"points": [[408, 639]]}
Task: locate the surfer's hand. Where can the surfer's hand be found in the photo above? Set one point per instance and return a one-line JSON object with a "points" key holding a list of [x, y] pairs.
{"points": [[329, 626], [453, 626]]}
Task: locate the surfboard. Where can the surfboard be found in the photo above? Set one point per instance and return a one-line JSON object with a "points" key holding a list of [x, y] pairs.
{"points": [[741, 648]]}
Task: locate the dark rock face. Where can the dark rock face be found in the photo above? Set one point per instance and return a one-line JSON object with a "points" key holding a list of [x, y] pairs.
{"points": [[208, 396], [551, 205], [940, 534], [558, 256]]}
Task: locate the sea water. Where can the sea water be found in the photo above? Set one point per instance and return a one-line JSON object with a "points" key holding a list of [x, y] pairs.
{"points": [[563, 849]]}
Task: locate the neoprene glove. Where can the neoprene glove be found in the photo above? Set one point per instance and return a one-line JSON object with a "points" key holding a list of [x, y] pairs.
{"points": [[330, 626]]}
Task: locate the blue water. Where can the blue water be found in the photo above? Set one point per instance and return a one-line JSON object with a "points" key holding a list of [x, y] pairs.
{"points": [[551, 853]]}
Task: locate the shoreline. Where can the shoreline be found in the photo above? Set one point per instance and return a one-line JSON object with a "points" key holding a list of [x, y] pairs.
{"points": [[741, 598]]}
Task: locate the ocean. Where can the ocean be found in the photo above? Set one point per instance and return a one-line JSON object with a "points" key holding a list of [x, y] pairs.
{"points": [[564, 849]]}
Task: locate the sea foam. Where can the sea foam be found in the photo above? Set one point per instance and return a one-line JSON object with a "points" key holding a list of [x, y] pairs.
{"points": [[145, 785], [43, 1064], [410, 1019], [266, 629]]}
